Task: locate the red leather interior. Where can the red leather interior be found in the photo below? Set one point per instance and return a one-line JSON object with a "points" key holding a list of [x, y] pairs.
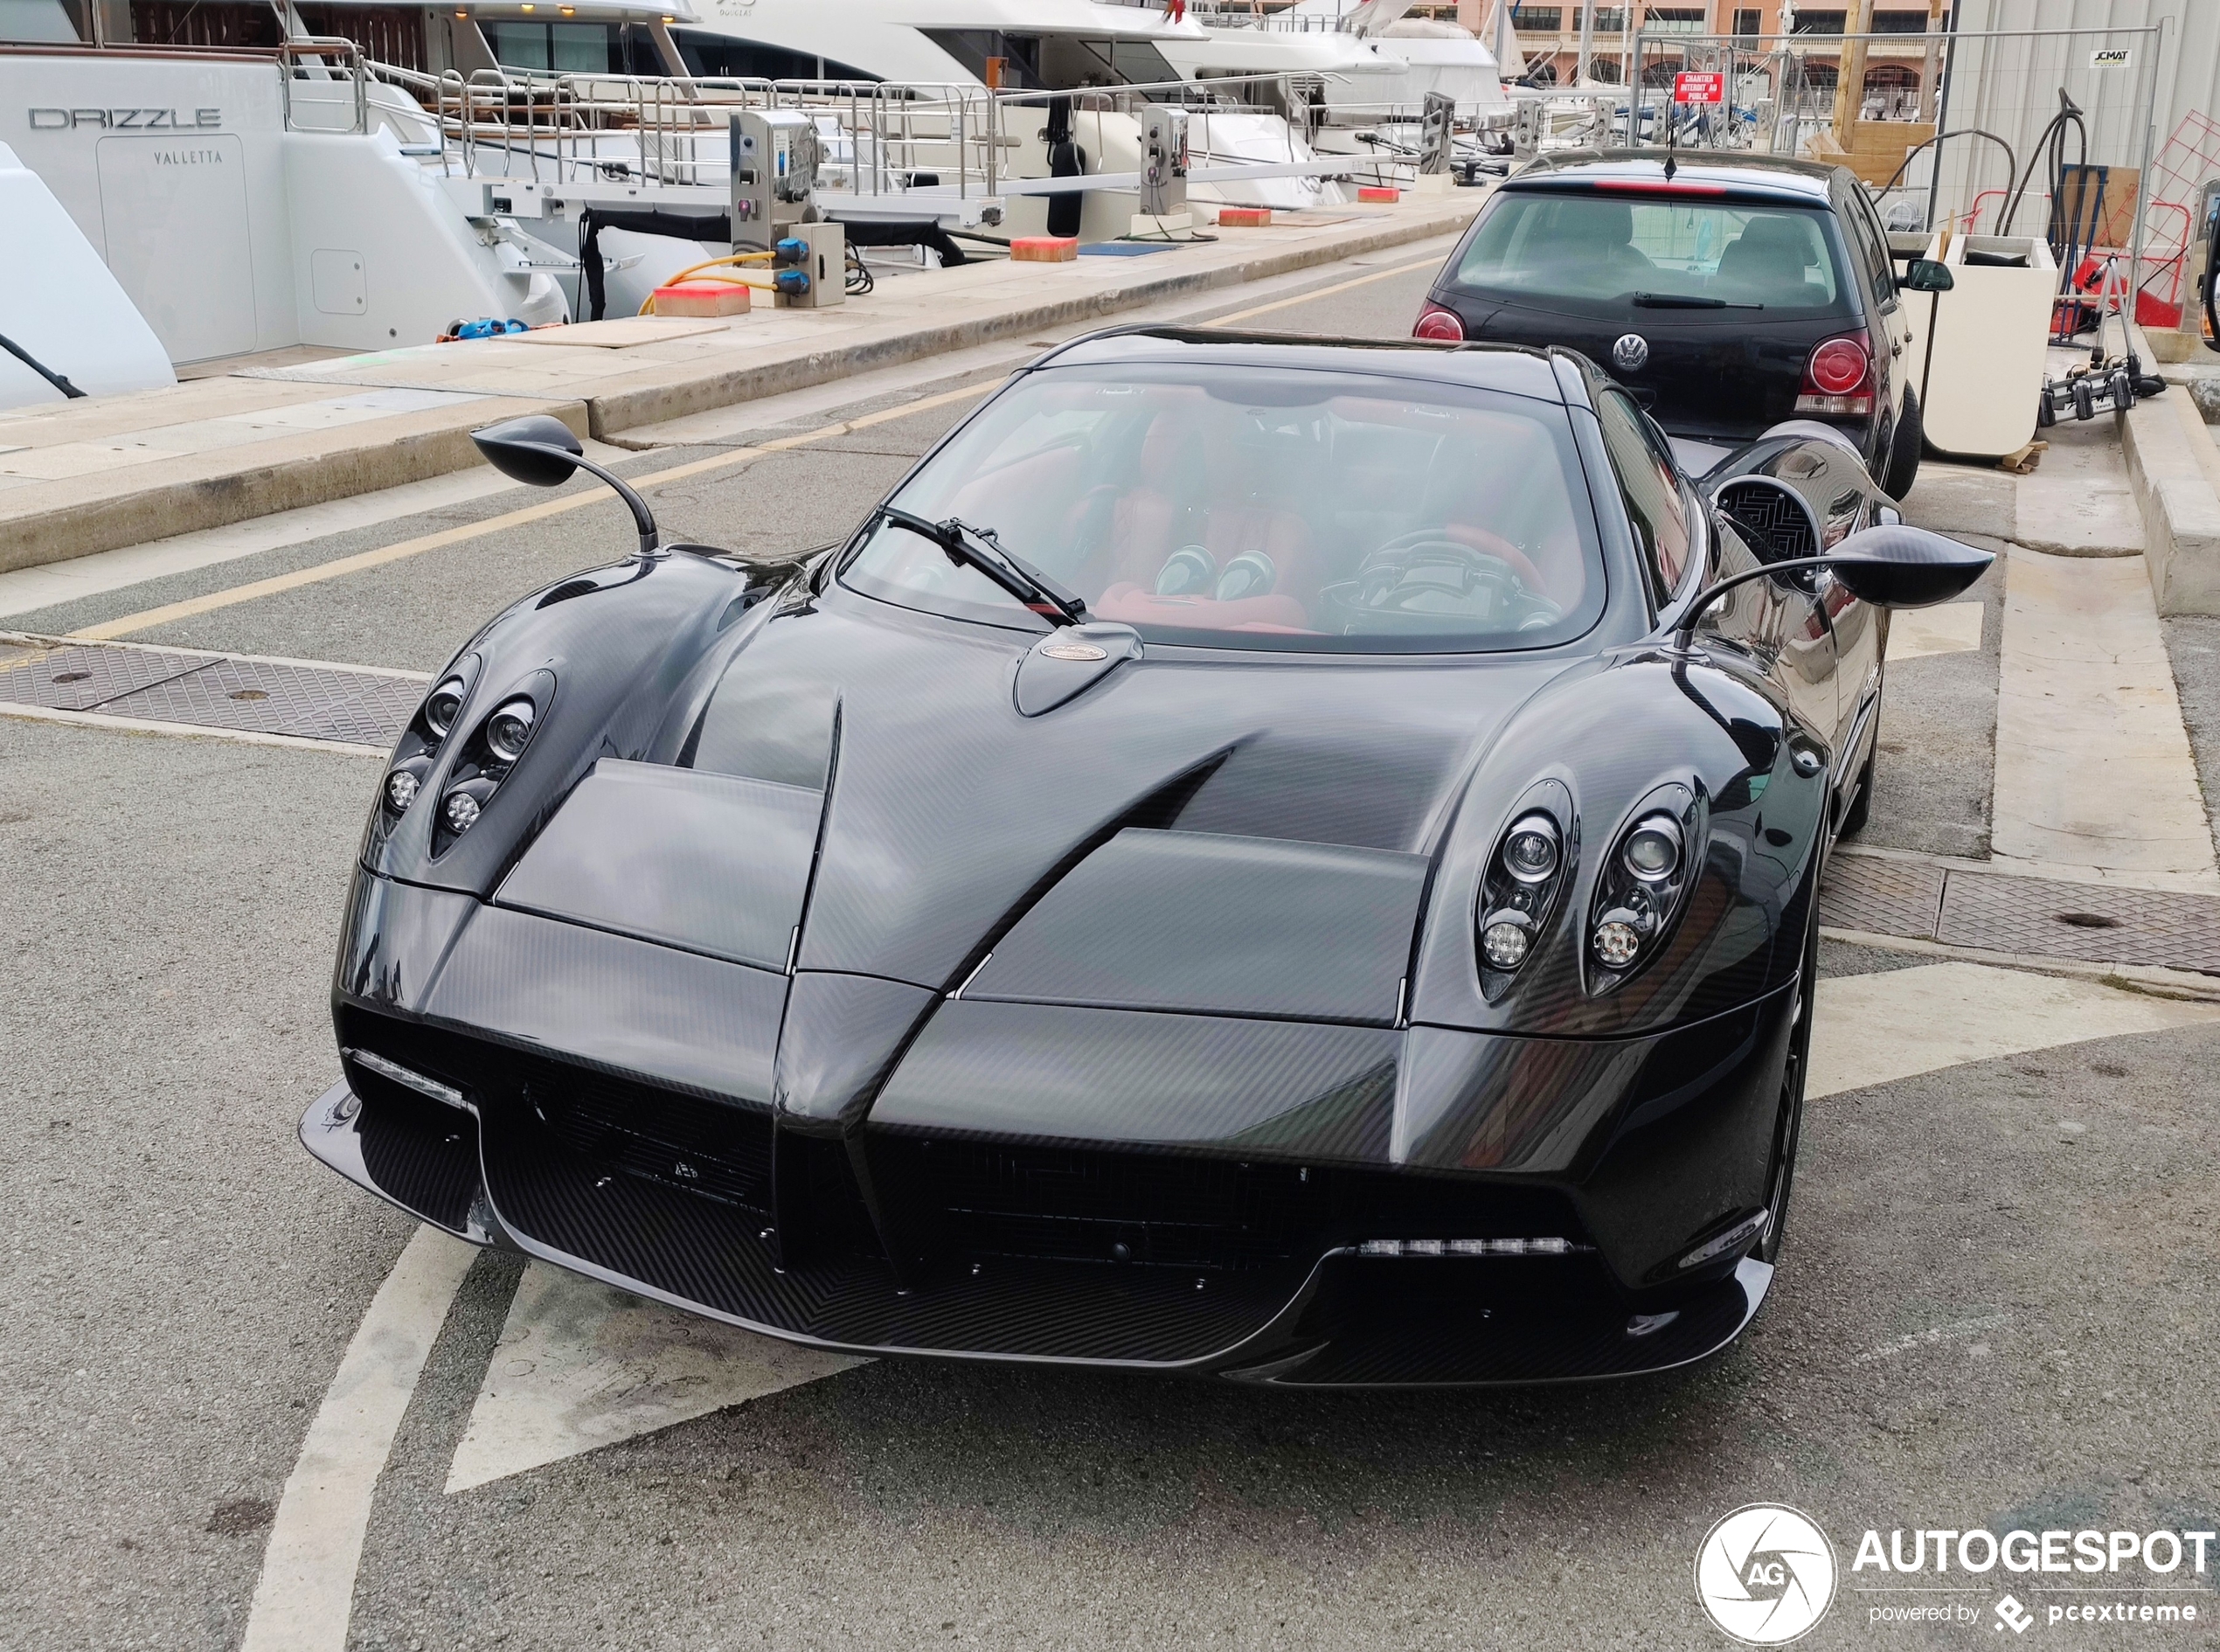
{"points": [[1136, 605], [1213, 474]]}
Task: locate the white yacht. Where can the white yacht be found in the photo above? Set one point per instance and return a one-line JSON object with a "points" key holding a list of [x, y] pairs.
{"points": [[249, 192], [1377, 63], [263, 174], [1055, 45], [1079, 47]]}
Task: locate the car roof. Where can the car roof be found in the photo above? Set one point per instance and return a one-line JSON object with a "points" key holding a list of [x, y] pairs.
{"points": [[1694, 171], [1515, 369]]}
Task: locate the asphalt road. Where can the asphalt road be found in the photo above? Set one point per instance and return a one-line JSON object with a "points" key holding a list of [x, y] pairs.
{"points": [[1996, 1307]]}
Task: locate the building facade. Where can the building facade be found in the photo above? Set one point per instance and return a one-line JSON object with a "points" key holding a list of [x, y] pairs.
{"points": [[1549, 34]]}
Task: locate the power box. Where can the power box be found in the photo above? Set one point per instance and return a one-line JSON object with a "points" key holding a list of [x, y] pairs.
{"points": [[1163, 160], [1437, 125], [822, 263], [774, 159]]}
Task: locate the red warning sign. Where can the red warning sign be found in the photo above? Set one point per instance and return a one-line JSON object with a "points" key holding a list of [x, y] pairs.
{"points": [[1699, 88]]}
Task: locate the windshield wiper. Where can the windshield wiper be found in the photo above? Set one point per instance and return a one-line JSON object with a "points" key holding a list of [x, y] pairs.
{"points": [[979, 548], [1685, 301]]}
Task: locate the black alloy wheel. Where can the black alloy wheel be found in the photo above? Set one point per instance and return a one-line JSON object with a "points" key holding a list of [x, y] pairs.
{"points": [[1788, 1133]]}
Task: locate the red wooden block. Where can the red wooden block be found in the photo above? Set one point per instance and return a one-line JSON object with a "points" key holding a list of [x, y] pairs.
{"points": [[702, 298]]}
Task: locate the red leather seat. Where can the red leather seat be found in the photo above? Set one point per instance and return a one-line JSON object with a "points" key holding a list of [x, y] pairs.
{"points": [[1136, 605], [1192, 491]]}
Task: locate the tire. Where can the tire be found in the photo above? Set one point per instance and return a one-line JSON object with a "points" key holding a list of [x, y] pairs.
{"points": [[1788, 1132], [1905, 448]]}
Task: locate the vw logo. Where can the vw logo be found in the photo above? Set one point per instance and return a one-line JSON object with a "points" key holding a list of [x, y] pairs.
{"points": [[1765, 1574], [1630, 352]]}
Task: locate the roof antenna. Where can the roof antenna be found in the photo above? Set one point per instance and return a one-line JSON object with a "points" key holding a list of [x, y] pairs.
{"points": [[1672, 139]]}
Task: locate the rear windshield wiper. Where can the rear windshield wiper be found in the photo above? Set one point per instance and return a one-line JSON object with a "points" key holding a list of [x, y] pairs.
{"points": [[1685, 301], [979, 548]]}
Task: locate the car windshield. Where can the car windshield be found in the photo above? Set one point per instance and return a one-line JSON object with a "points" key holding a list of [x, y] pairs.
{"points": [[1588, 252], [1248, 507]]}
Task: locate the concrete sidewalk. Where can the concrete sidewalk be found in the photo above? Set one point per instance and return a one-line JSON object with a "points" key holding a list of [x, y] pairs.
{"points": [[92, 476]]}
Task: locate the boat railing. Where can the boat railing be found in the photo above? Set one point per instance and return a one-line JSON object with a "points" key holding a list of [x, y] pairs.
{"points": [[320, 60], [878, 139], [669, 131]]}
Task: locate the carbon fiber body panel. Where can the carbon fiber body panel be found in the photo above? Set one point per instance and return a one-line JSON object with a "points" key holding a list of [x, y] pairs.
{"points": [[1226, 1256]]}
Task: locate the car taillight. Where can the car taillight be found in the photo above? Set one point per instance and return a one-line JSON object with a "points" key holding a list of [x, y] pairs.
{"points": [[1838, 378], [1438, 324]]}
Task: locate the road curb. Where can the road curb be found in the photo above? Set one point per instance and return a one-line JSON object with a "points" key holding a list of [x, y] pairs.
{"points": [[320, 471], [2175, 488], [2186, 985], [618, 410]]}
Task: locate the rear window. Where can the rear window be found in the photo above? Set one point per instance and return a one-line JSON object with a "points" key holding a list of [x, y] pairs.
{"points": [[1263, 507], [1595, 254]]}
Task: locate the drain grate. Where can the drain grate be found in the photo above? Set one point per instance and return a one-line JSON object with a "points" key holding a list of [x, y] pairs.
{"points": [[1882, 897], [248, 696], [312, 702], [2041, 917], [2082, 920], [77, 678]]}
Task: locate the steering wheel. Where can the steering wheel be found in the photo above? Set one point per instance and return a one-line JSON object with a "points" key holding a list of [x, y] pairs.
{"points": [[1428, 574]]}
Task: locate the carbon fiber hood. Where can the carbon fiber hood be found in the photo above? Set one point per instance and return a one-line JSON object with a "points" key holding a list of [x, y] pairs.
{"points": [[948, 814]]}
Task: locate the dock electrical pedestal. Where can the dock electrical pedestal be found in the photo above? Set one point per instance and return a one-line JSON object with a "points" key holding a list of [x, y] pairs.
{"points": [[774, 157], [1163, 176]]}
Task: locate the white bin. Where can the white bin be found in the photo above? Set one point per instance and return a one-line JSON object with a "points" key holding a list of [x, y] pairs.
{"points": [[1984, 344]]}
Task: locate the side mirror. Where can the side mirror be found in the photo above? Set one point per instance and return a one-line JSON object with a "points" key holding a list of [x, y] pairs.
{"points": [[538, 449], [1895, 566], [1927, 275], [1898, 565]]}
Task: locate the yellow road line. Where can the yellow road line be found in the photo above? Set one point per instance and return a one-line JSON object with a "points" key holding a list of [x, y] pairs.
{"points": [[1323, 292], [170, 613]]}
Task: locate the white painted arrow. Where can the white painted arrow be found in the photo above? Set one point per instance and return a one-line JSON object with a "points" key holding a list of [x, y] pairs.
{"points": [[581, 1365], [1875, 1028]]}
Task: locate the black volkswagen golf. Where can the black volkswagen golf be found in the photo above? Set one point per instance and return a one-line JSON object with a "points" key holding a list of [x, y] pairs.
{"points": [[1728, 293]]}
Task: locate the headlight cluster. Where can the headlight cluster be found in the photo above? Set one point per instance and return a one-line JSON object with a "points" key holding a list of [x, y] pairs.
{"points": [[482, 760], [1525, 877], [421, 741], [1642, 883]]}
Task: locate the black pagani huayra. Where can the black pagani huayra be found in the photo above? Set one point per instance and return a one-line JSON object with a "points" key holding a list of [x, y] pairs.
{"points": [[1286, 860]]}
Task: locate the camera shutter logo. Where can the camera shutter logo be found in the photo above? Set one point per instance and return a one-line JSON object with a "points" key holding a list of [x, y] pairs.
{"points": [[1630, 352], [1765, 1574]]}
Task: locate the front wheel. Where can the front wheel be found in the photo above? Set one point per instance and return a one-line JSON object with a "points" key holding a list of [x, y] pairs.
{"points": [[1904, 451], [1788, 1132]]}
